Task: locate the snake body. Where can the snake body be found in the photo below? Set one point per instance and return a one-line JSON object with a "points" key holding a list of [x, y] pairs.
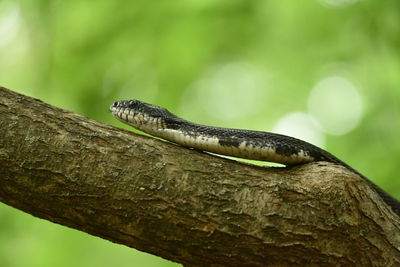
{"points": [[256, 145]]}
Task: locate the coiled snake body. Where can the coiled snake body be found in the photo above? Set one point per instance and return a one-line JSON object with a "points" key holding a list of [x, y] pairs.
{"points": [[247, 144]]}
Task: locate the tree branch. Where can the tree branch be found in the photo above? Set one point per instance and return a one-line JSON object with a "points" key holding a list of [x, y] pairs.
{"points": [[186, 206]]}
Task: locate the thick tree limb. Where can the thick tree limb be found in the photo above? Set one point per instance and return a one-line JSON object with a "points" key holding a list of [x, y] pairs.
{"points": [[183, 205]]}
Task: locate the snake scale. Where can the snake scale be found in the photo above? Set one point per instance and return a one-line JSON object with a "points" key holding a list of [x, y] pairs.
{"points": [[256, 145]]}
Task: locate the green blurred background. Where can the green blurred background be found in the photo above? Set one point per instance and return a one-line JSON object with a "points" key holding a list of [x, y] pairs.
{"points": [[327, 71]]}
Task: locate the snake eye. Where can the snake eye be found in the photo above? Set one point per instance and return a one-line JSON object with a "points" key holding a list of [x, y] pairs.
{"points": [[114, 105]]}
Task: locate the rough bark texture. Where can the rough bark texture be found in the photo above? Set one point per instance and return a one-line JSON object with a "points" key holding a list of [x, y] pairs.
{"points": [[184, 205]]}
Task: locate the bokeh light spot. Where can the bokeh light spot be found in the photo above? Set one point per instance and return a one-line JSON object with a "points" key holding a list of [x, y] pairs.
{"points": [[10, 21], [336, 104], [302, 126], [233, 90]]}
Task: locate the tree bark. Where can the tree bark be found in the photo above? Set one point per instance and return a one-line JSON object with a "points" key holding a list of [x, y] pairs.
{"points": [[183, 205]]}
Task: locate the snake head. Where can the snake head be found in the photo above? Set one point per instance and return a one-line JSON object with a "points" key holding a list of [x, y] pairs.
{"points": [[128, 110], [126, 104]]}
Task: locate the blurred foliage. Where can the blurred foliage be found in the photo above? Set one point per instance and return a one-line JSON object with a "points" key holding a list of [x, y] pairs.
{"points": [[232, 63]]}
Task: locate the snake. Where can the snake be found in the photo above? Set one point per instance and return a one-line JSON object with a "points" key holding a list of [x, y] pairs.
{"points": [[248, 144]]}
